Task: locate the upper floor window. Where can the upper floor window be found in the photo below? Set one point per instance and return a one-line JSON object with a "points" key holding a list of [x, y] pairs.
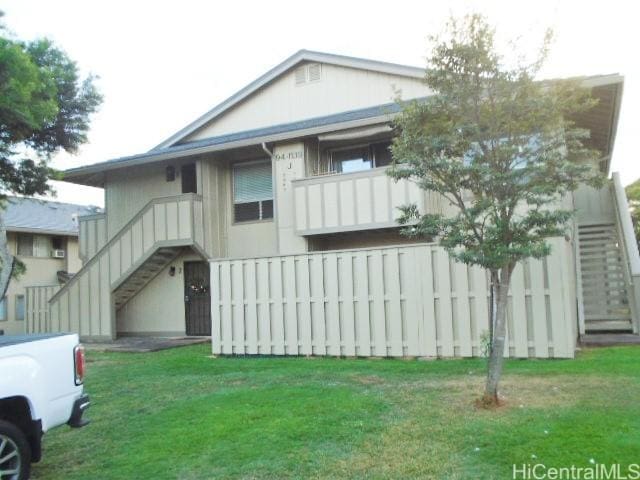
{"points": [[30, 245], [25, 244], [252, 191], [188, 175], [357, 159], [57, 243]]}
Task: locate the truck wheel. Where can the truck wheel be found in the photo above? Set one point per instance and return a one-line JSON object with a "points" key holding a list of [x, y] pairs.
{"points": [[15, 453]]}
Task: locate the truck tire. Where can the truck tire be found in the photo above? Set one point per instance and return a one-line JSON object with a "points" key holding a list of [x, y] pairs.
{"points": [[15, 453]]}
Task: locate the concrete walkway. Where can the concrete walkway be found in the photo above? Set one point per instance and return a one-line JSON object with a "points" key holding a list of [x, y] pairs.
{"points": [[144, 344]]}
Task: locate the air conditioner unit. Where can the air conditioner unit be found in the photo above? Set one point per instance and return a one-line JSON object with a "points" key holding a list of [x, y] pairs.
{"points": [[57, 253]]}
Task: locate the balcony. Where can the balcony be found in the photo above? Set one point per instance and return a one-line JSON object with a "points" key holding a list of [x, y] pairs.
{"points": [[356, 201]]}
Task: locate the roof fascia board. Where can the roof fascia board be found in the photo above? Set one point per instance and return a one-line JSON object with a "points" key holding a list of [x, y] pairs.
{"points": [[602, 80], [302, 55], [614, 125], [43, 231]]}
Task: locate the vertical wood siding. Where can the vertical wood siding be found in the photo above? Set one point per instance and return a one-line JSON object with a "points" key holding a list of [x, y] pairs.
{"points": [[37, 315], [340, 89], [93, 235], [355, 201], [395, 301]]}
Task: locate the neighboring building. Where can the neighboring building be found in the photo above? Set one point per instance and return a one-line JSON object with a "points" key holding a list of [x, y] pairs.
{"points": [[44, 236], [269, 222]]}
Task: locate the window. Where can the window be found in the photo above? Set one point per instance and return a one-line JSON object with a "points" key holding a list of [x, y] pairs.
{"points": [[188, 174], [382, 154], [352, 160], [252, 191], [19, 307], [25, 244], [358, 159], [57, 243], [3, 309]]}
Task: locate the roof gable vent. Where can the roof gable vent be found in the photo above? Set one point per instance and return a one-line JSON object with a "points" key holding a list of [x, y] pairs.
{"points": [[311, 72], [301, 75], [314, 72]]}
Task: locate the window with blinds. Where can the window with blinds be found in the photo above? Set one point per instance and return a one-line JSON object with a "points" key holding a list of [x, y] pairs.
{"points": [[252, 191]]}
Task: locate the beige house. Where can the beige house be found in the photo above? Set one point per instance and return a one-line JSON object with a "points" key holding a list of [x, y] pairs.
{"points": [[43, 235], [269, 224]]}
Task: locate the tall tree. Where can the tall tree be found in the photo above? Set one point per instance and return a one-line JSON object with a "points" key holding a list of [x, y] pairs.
{"points": [[501, 148], [44, 107]]}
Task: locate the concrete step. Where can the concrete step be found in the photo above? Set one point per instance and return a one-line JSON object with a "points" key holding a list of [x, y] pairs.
{"points": [[609, 339], [608, 326]]}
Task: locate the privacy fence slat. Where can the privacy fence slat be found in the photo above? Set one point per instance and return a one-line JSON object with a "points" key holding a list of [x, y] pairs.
{"points": [[304, 310], [347, 316], [361, 273], [38, 317], [519, 310], [394, 301]]}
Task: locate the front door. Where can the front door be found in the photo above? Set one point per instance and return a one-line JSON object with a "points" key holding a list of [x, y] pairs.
{"points": [[197, 298]]}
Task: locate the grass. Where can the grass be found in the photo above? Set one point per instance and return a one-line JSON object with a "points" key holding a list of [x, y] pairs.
{"points": [[182, 414]]}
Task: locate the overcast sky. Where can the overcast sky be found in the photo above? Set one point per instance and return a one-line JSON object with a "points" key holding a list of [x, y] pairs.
{"points": [[162, 64]]}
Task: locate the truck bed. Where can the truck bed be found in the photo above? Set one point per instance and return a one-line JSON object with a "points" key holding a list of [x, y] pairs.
{"points": [[6, 340]]}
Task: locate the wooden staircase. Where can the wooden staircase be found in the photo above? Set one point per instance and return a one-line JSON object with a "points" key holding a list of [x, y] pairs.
{"points": [[604, 281], [151, 267], [163, 229]]}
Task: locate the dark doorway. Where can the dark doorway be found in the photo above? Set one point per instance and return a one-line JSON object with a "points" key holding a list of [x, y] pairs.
{"points": [[197, 298], [188, 175]]}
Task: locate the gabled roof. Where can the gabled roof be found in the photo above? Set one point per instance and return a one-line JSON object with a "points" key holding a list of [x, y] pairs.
{"points": [[24, 214], [170, 149], [292, 61]]}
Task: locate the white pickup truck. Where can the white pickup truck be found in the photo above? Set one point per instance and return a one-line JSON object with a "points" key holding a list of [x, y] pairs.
{"points": [[41, 380]]}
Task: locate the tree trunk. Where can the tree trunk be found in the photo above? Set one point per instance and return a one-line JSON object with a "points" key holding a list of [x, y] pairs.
{"points": [[495, 280], [6, 259], [500, 291]]}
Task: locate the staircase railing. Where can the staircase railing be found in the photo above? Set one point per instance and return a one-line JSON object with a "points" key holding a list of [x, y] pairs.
{"points": [[629, 248], [85, 303]]}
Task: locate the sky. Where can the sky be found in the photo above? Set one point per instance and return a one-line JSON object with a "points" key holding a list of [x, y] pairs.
{"points": [[162, 64]]}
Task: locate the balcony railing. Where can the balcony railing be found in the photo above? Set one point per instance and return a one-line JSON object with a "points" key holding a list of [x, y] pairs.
{"points": [[93, 234], [356, 201]]}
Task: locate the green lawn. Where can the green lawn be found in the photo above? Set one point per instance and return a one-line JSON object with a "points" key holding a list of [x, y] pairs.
{"points": [[182, 414]]}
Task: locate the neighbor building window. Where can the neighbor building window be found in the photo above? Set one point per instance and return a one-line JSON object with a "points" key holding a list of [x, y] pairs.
{"points": [[19, 307], [358, 159], [57, 243], [252, 191], [25, 244], [3, 309]]}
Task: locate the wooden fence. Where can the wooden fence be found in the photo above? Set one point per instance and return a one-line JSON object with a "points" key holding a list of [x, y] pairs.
{"points": [[395, 301], [37, 313]]}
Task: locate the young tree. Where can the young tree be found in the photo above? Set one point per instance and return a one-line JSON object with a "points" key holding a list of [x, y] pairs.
{"points": [[633, 194], [44, 107], [501, 148]]}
